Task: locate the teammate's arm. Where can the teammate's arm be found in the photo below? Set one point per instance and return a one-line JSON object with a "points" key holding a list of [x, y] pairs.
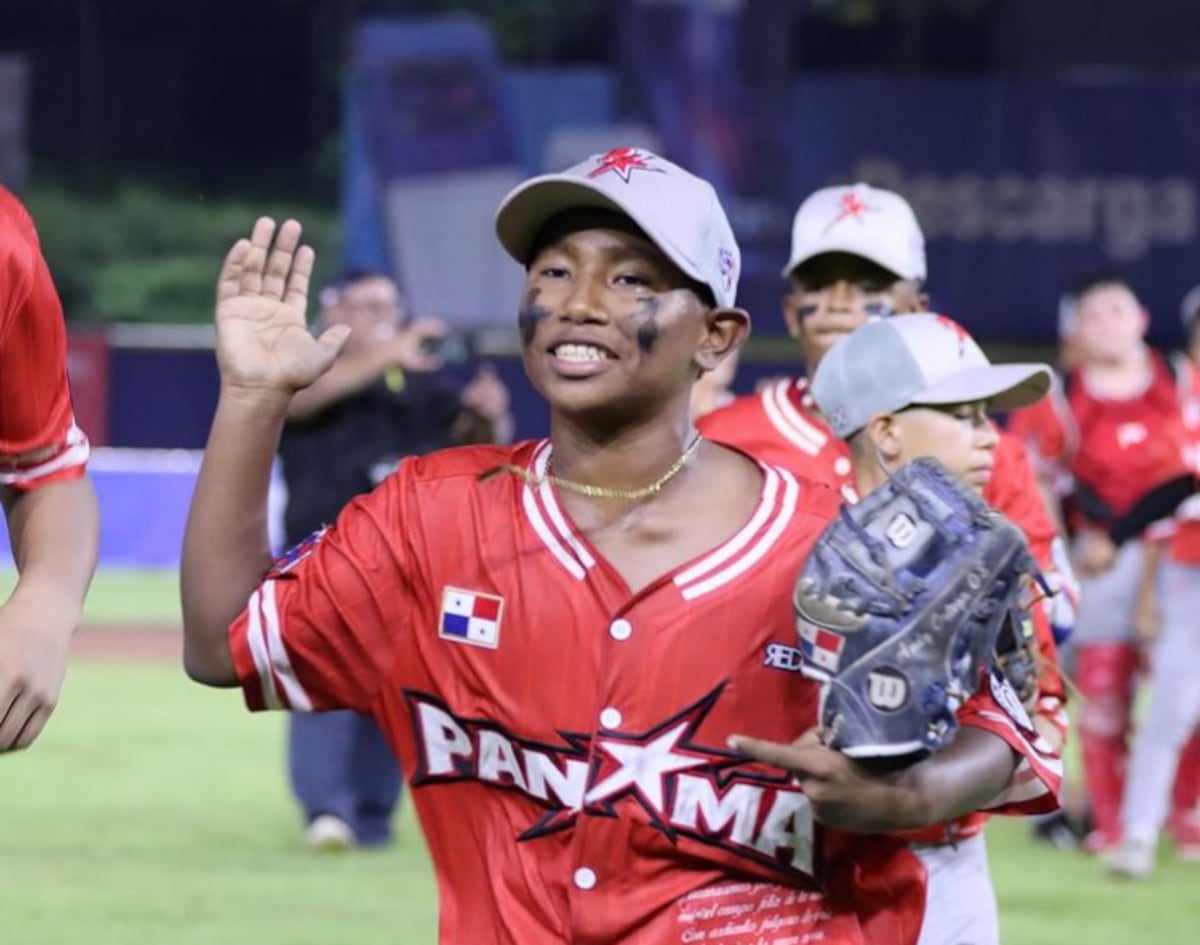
{"points": [[404, 351], [264, 353], [54, 533], [878, 797]]}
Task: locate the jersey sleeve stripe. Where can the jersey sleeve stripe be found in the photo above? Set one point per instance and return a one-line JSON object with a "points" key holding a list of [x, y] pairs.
{"points": [[1038, 776], [281, 664], [73, 451], [257, 642], [1025, 786], [742, 538], [761, 547]]}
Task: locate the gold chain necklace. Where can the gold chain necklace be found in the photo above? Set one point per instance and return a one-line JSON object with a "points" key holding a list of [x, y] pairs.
{"points": [[604, 492]]}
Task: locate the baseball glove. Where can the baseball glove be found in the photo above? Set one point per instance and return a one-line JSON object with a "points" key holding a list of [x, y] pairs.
{"points": [[1017, 656], [898, 610]]}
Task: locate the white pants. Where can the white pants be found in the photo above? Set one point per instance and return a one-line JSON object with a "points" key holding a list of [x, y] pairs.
{"points": [[1107, 601], [960, 905], [1174, 707]]}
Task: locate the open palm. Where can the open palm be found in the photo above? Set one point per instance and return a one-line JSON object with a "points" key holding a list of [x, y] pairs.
{"points": [[263, 341]]}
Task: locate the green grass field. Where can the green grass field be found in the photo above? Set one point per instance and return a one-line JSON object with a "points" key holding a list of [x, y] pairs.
{"points": [[155, 811]]}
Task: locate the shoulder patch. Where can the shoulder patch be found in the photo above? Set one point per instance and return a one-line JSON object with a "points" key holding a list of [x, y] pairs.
{"points": [[297, 553]]}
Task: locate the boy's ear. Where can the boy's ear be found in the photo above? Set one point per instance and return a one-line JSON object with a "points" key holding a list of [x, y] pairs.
{"points": [[725, 331]]}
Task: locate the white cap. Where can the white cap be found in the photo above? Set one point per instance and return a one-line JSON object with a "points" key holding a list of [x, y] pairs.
{"points": [[892, 363], [861, 220], [678, 212]]}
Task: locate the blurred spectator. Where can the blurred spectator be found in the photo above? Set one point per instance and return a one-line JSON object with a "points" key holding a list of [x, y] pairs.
{"points": [[1114, 427], [49, 503], [1174, 708], [383, 399]]}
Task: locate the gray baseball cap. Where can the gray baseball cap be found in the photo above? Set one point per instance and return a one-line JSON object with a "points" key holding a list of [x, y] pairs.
{"points": [[910, 360], [680, 213]]}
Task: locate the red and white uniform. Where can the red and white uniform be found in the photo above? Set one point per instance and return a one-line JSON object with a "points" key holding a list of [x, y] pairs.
{"points": [[1117, 449], [39, 441], [565, 737]]}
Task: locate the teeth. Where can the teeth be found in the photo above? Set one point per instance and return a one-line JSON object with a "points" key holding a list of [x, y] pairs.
{"points": [[577, 352]]}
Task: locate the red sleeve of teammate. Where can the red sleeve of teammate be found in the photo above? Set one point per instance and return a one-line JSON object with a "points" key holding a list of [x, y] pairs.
{"points": [[1013, 491], [39, 441], [321, 630], [1035, 784], [1045, 428]]}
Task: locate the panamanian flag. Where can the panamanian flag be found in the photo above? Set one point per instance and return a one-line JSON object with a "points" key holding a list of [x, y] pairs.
{"points": [[470, 617], [820, 647]]}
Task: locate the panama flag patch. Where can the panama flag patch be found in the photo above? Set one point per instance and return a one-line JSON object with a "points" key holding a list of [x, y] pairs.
{"points": [[470, 617], [822, 648]]}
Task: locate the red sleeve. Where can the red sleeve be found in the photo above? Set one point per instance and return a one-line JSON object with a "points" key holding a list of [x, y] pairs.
{"points": [[39, 441], [1013, 491], [322, 630], [1037, 779], [1043, 428]]}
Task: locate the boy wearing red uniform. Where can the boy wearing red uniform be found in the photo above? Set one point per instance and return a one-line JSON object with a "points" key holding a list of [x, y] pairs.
{"points": [[48, 501]]}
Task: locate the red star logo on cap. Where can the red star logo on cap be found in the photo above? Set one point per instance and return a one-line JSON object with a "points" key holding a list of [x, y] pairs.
{"points": [[852, 207], [961, 333], [624, 161]]}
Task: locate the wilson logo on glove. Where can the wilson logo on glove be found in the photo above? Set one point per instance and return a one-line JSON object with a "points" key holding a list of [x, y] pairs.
{"points": [[898, 609]]}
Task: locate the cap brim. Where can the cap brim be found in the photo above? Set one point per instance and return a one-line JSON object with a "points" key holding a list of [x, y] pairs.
{"points": [[1003, 386], [835, 247], [531, 206]]}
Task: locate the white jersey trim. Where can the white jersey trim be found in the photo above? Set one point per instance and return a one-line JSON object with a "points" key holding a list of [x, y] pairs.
{"points": [[73, 451], [270, 655], [258, 651], [735, 544], [563, 544], [784, 514], [790, 423]]}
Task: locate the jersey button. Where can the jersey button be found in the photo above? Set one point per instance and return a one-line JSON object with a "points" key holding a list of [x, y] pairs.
{"points": [[610, 718], [620, 629], [585, 878], [841, 466]]}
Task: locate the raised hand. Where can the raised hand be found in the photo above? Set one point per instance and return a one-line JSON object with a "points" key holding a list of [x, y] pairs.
{"points": [[263, 341]]}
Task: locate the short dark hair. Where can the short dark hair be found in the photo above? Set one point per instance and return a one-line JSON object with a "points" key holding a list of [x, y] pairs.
{"points": [[350, 276], [1099, 279], [333, 291]]}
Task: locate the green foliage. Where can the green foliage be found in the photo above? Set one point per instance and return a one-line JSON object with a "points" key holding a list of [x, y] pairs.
{"points": [[151, 253]]}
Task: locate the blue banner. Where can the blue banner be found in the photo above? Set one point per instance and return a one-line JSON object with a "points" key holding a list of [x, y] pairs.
{"points": [[1020, 185]]}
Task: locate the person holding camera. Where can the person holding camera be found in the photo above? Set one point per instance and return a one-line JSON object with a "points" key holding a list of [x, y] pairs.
{"points": [[385, 398]]}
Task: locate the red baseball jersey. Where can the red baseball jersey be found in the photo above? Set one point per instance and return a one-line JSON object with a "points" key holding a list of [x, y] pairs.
{"points": [[39, 441], [1117, 449], [565, 738], [781, 425], [1185, 542]]}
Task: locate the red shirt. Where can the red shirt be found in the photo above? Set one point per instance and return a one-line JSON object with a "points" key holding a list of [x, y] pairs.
{"points": [[566, 738], [1118, 449], [780, 425], [39, 441]]}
